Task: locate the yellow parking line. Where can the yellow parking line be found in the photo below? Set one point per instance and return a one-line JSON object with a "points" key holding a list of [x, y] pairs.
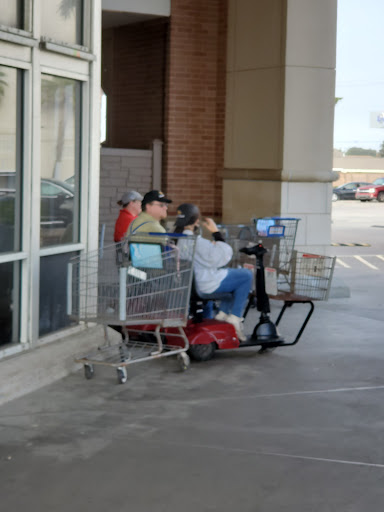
{"points": [[338, 260], [366, 262], [350, 244]]}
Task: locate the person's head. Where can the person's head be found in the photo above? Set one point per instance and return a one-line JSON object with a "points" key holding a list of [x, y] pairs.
{"points": [[131, 201], [155, 204], [188, 215]]}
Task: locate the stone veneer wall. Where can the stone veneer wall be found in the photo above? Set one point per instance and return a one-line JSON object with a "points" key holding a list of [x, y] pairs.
{"points": [[121, 170]]}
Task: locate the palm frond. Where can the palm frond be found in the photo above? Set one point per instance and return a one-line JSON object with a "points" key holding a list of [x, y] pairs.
{"points": [[66, 7]]}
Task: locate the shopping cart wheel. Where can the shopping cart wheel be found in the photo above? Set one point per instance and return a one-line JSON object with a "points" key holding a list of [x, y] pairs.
{"points": [[89, 371], [122, 375], [184, 361]]}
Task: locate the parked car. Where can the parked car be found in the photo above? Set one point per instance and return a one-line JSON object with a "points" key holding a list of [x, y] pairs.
{"points": [[56, 201], [373, 191], [70, 181], [348, 190]]}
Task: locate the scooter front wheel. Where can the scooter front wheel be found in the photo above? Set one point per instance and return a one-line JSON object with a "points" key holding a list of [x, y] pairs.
{"points": [[202, 352], [265, 349]]}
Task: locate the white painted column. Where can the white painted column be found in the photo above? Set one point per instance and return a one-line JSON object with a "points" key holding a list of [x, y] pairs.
{"points": [[94, 129], [281, 60], [307, 174]]}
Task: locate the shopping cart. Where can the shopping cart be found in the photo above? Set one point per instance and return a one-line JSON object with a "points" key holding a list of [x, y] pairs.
{"points": [[309, 279], [277, 234], [140, 281], [310, 275]]}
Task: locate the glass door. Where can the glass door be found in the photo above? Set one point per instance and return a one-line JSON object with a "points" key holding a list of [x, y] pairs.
{"points": [[11, 181], [60, 193]]}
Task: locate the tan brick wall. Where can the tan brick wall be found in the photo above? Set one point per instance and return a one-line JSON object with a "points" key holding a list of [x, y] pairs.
{"points": [[367, 176], [194, 135], [357, 168]]}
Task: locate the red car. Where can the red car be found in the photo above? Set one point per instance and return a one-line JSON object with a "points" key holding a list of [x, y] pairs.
{"points": [[370, 192]]}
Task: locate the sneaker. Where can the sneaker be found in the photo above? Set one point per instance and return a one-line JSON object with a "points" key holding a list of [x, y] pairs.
{"points": [[237, 322], [221, 316]]}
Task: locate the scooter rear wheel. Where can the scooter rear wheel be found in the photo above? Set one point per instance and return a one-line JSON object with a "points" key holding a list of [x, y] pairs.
{"points": [[202, 352]]}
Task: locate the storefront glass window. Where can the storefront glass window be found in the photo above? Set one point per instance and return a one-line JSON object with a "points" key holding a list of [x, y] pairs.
{"points": [[9, 302], [16, 14], [62, 20], [11, 13], [10, 159], [60, 158]]}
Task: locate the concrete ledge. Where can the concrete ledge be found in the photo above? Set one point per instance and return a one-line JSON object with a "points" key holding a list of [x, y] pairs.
{"points": [[120, 152], [30, 370]]}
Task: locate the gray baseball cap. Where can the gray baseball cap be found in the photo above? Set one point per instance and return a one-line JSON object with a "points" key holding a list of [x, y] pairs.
{"points": [[129, 196]]}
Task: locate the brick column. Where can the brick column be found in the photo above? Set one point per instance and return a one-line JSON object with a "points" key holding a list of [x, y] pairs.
{"points": [[195, 105]]}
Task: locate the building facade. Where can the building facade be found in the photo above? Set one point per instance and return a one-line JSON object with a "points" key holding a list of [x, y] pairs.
{"points": [[227, 104]]}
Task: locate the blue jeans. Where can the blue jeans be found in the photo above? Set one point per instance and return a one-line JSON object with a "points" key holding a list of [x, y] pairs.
{"points": [[208, 309], [239, 283]]}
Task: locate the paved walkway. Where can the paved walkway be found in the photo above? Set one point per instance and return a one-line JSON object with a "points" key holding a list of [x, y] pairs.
{"points": [[296, 430]]}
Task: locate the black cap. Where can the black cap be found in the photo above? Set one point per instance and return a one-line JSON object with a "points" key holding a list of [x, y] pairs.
{"points": [[187, 213], [155, 195]]}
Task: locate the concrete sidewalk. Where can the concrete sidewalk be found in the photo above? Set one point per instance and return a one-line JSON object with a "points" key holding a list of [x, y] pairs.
{"points": [[298, 429]]}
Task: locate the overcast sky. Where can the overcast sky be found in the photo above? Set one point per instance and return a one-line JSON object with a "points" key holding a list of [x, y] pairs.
{"points": [[359, 74]]}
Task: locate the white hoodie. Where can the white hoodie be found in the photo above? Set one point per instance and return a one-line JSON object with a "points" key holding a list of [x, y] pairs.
{"points": [[209, 257]]}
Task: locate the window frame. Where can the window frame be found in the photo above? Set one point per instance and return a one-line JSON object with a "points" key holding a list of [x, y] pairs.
{"points": [[83, 50], [26, 14], [82, 183], [23, 51], [21, 255]]}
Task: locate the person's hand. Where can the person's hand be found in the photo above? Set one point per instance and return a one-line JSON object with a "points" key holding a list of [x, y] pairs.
{"points": [[210, 224]]}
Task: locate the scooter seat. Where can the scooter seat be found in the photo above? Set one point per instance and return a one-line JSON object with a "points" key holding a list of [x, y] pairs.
{"points": [[215, 296]]}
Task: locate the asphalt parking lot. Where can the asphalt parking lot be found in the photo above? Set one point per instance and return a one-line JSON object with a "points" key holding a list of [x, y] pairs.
{"points": [[297, 429]]}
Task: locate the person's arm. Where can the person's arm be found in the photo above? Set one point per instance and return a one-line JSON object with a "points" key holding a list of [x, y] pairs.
{"points": [[121, 227], [210, 224], [213, 254], [218, 237]]}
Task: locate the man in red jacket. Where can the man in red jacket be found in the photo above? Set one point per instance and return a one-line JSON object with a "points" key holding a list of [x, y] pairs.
{"points": [[131, 207]]}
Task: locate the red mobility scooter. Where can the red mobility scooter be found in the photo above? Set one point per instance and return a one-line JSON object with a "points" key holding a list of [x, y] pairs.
{"points": [[310, 276]]}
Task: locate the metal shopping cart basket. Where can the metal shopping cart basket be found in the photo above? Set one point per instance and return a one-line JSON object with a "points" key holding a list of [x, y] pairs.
{"points": [[139, 281], [290, 276], [310, 275], [277, 234], [309, 279]]}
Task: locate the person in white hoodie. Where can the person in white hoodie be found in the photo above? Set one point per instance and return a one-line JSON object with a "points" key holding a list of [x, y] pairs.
{"points": [[210, 258]]}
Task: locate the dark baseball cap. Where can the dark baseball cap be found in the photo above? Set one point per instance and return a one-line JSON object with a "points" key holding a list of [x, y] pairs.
{"points": [[127, 197], [155, 195], [187, 213]]}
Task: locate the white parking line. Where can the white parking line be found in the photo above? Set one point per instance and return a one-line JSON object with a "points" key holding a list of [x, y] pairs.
{"points": [[261, 453], [380, 257], [366, 263], [338, 260]]}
